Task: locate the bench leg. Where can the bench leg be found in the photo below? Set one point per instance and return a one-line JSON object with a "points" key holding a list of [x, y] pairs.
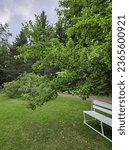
{"points": [[102, 128], [98, 132], [84, 118]]}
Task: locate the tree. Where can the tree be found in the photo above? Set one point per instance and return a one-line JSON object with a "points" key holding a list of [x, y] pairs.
{"points": [[43, 19], [4, 53], [10, 68], [84, 55], [39, 39], [4, 34], [19, 64], [90, 27]]}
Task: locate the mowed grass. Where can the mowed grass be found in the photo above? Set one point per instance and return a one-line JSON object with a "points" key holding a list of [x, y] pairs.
{"points": [[58, 125]]}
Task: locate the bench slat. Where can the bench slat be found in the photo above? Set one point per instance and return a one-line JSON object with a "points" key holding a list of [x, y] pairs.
{"points": [[99, 117], [103, 104], [102, 109]]}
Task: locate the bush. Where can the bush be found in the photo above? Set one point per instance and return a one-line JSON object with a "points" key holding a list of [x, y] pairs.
{"points": [[43, 95], [31, 87], [12, 89], [84, 92]]}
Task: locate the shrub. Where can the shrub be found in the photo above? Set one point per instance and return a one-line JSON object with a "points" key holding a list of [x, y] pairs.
{"points": [[31, 87], [84, 92], [12, 89]]}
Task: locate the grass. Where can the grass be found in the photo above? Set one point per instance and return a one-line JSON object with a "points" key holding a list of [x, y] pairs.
{"points": [[58, 125]]}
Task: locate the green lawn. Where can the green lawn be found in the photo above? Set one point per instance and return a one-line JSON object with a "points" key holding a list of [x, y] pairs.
{"points": [[58, 125]]}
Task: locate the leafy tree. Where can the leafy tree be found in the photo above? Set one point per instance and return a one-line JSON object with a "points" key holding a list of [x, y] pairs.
{"points": [[90, 27], [60, 30], [40, 38], [81, 48]]}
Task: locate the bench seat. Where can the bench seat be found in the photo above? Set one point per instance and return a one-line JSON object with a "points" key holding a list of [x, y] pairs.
{"points": [[99, 117]]}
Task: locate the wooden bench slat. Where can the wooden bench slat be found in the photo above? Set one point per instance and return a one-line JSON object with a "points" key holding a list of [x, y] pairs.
{"points": [[103, 104], [102, 109]]}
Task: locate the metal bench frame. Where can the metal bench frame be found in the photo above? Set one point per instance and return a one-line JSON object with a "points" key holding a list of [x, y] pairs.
{"points": [[103, 107]]}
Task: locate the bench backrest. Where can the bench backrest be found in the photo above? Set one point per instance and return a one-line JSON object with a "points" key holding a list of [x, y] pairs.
{"points": [[102, 106]]}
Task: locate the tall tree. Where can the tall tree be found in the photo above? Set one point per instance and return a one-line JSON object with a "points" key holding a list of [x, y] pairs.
{"points": [[10, 68], [20, 66], [4, 53], [43, 19], [84, 57], [40, 37], [4, 33]]}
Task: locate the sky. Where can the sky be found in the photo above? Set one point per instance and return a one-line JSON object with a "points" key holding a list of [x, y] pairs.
{"points": [[16, 12]]}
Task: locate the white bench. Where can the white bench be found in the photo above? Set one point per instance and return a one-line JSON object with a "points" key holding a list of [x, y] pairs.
{"points": [[104, 108]]}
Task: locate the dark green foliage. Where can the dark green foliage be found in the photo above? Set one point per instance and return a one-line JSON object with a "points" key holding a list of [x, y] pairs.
{"points": [[4, 54], [20, 66], [4, 34], [11, 68], [43, 19]]}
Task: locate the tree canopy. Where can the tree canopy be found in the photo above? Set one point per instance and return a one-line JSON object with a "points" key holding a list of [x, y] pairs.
{"points": [[75, 54], [86, 52]]}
